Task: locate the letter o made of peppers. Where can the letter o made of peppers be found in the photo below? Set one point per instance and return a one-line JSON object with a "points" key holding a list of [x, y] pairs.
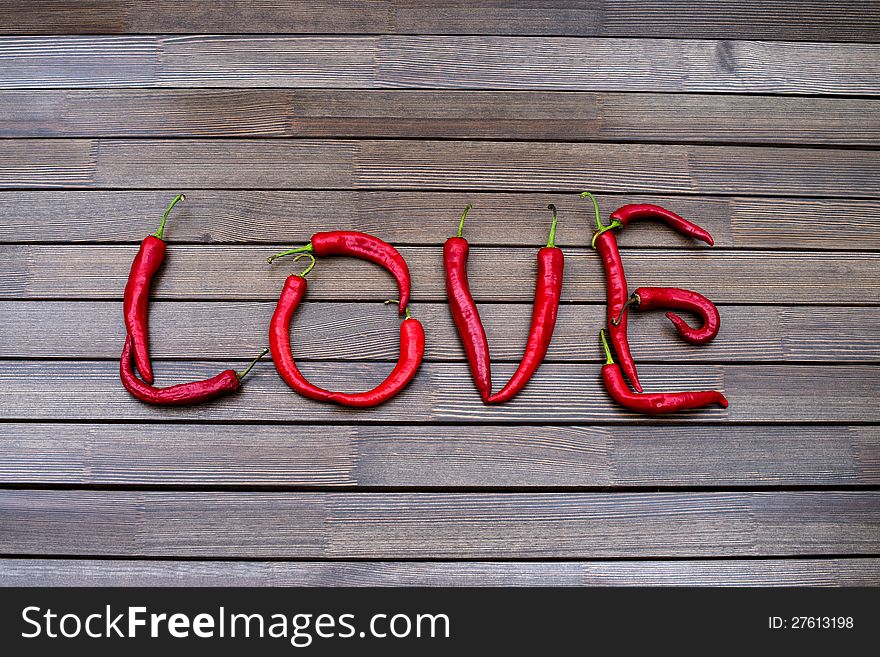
{"points": [[412, 335]]}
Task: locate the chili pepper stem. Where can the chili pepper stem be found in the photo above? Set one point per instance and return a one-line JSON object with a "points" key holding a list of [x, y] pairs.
{"points": [[161, 232], [311, 266], [405, 310], [246, 370], [632, 302], [609, 359], [308, 248], [600, 228], [551, 239], [464, 215], [596, 206]]}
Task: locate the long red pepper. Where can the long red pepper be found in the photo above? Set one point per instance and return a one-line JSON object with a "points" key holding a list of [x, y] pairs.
{"points": [[652, 403], [624, 215], [548, 291], [616, 292], [412, 349], [360, 245], [279, 335], [659, 298], [146, 263], [464, 310], [224, 383]]}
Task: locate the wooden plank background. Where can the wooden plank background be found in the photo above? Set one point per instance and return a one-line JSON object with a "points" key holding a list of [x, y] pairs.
{"points": [[278, 120]]}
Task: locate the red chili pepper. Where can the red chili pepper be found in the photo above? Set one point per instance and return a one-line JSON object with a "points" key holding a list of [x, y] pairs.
{"points": [[653, 298], [360, 245], [226, 382], [617, 293], [652, 403], [137, 293], [635, 211], [464, 309], [279, 335], [548, 290], [412, 349]]}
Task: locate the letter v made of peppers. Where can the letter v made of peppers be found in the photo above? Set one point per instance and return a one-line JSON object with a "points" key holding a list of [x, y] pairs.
{"points": [[135, 367]]}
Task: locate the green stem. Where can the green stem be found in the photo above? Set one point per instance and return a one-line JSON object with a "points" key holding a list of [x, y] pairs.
{"points": [[161, 232], [551, 240], [244, 373], [609, 359], [311, 266], [604, 229], [464, 215], [308, 248], [596, 206], [599, 227], [405, 310]]}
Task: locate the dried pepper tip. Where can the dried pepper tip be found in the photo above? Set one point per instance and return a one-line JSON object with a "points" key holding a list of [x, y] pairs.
{"points": [[161, 232], [464, 215], [551, 240], [405, 310], [311, 266], [244, 372], [609, 359], [308, 248]]}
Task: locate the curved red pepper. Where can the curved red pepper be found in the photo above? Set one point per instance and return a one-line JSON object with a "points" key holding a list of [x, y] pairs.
{"points": [[224, 383], [464, 310], [636, 211], [653, 298], [412, 349], [365, 247], [652, 403], [279, 338], [135, 299], [616, 293], [548, 291]]}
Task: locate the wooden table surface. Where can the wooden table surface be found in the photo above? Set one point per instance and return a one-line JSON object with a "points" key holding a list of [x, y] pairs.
{"points": [[759, 121]]}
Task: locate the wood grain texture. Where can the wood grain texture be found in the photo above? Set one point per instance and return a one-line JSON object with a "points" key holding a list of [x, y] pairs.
{"points": [[437, 525], [438, 165], [496, 274], [368, 331], [435, 62], [498, 219], [613, 64], [48, 163], [441, 392], [583, 116], [437, 456], [786, 20], [683, 572]]}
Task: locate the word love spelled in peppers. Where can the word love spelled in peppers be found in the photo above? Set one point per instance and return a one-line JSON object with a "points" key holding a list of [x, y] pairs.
{"points": [[136, 368]]}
